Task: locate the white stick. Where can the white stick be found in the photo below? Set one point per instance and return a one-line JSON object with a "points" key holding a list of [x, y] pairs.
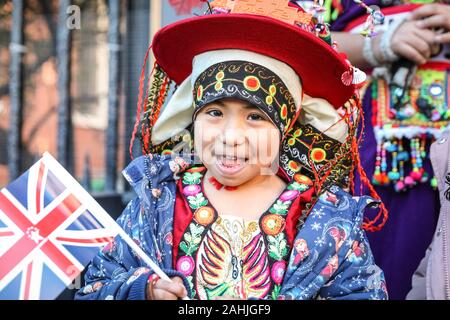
{"points": [[145, 257]]}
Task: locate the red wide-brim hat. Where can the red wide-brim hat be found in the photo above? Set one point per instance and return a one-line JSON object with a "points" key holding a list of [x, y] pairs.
{"points": [[319, 66]]}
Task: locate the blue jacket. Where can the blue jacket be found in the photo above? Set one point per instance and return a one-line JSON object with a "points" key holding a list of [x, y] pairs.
{"points": [[330, 259]]}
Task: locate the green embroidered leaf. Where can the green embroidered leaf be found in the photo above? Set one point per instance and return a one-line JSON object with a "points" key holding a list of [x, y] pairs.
{"points": [[274, 255], [298, 186], [273, 248], [188, 237], [197, 240], [271, 239], [284, 251], [192, 177], [196, 231], [191, 285], [197, 201], [276, 292], [282, 244], [184, 247], [280, 207]]}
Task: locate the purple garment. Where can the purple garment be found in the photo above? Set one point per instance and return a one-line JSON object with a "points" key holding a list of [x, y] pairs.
{"points": [[399, 247]]}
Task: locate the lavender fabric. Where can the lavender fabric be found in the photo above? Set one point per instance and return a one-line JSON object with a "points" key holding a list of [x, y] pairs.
{"points": [[399, 247]]}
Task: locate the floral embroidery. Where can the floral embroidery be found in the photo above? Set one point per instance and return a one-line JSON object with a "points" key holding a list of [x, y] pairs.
{"points": [[278, 246], [186, 265], [218, 256], [273, 224], [191, 239], [204, 215]]}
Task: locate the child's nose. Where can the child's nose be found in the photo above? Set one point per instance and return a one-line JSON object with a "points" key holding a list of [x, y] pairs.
{"points": [[233, 136]]}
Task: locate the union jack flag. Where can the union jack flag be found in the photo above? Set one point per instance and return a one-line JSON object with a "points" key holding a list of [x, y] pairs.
{"points": [[50, 229]]}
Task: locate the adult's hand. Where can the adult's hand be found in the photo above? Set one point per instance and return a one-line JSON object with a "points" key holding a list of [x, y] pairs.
{"points": [[434, 16], [413, 42]]}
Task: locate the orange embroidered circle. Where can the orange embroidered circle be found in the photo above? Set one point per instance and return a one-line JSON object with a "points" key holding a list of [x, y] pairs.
{"points": [[294, 166], [199, 92], [166, 152], [272, 90], [273, 224], [220, 75], [269, 100], [298, 132], [302, 179], [252, 83], [195, 169], [204, 215], [218, 86], [284, 111], [318, 155], [291, 141]]}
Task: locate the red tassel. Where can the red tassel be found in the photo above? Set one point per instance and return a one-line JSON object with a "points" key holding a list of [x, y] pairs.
{"points": [[139, 103]]}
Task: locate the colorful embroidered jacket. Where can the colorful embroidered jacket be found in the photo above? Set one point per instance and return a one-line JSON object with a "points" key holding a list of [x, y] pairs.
{"points": [[332, 258]]}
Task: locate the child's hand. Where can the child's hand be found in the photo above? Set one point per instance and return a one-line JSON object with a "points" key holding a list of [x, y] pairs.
{"points": [[434, 16], [165, 290]]}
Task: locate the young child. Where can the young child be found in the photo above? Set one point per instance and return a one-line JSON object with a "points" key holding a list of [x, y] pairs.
{"points": [[258, 211]]}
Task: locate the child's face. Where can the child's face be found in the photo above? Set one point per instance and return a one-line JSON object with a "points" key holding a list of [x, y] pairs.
{"points": [[235, 141]]}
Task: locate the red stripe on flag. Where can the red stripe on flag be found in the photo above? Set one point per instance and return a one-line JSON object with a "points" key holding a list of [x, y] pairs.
{"points": [[15, 255], [13, 213], [46, 226], [26, 294], [95, 240], [39, 187], [54, 219], [61, 261], [6, 233]]}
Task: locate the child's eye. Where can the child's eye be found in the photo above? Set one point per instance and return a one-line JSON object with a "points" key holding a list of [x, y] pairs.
{"points": [[215, 113], [256, 117]]}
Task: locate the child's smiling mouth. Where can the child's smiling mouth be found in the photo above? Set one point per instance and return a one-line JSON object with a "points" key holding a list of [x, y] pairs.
{"points": [[230, 165]]}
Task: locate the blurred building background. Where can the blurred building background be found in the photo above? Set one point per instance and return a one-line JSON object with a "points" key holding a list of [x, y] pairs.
{"points": [[69, 78]]}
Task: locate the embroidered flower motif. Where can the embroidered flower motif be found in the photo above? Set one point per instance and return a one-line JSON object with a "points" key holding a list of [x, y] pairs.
{"points": [[278, 270], [293, 165], [252, 83], [289, 195], [318, 155], [169, 238], [273, 224], [204, 215], [303, 179], [185, 265], [180, 161], [191, 190]]}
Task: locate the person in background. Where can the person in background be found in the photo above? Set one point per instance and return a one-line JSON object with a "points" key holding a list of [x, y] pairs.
{"points": [[406, 107], [431, 280]]}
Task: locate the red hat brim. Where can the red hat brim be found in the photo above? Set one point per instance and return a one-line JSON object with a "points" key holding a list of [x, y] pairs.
{"points": [[319, 66]]}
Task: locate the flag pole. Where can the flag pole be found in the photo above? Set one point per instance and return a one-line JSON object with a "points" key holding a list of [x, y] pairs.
{"points": [[145, 257]]}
